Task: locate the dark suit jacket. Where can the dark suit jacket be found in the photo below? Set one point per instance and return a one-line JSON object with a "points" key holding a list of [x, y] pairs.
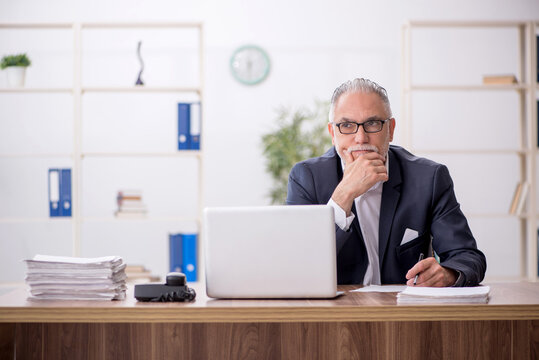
{"points": [[418, 195]]}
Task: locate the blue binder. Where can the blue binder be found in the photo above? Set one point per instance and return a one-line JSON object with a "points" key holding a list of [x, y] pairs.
{"points": [[189, 124], [59, 192], [184, 124], [195, 113], [190, 256], [65, 192], [54, 192], [175, 252]]}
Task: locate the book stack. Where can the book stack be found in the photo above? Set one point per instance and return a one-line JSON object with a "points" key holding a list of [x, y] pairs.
{"points": [[139, 274], [130, 204], [73, 278], [443, 295], [506, 79], [518, 203]]}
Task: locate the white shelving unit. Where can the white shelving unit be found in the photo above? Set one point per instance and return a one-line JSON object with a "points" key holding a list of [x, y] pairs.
{"points": [[525, 116], [78, 90]]}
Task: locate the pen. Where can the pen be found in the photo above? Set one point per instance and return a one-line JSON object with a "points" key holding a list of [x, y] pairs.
{"points": [[417, 275]]}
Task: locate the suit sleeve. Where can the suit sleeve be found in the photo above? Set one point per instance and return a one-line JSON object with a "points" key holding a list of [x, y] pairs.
{"points": [[452, 238], [302, 191]]}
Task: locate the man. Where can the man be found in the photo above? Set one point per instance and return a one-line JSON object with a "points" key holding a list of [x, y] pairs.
{"points": [[390, 206]]}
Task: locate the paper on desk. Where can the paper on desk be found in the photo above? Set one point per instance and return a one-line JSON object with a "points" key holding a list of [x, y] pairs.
{"points": [[79, 296], [73, 278], [58, 260], [381, 288], [443, 295]]}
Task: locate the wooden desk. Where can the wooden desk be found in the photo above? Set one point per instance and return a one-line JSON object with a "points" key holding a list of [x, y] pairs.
{"points": [[356, 325]]}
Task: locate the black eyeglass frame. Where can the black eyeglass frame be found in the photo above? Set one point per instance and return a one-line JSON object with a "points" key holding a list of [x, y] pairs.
{"points": [[338, 125]]}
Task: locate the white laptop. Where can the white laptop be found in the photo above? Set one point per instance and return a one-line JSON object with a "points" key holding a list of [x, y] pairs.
{"points": [[270, 252]]}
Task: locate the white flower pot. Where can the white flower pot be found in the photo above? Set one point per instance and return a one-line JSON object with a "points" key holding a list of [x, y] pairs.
{"points": [[15, 75]]}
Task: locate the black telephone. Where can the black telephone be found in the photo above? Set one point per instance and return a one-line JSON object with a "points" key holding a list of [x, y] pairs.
{"points": [[175, 289]]}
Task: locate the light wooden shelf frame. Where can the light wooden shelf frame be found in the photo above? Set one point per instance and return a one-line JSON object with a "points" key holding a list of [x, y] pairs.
{"points": [[527, 120], [78, 90]]}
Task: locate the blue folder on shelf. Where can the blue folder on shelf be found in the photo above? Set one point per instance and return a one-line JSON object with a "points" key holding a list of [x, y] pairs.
{"points": [[190, 256], [175, 252], [195, 126], [183, 254], [184, 124], [59, 192], [189, 124]]}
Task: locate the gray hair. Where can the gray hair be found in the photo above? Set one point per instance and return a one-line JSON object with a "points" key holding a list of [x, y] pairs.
{"points": [[358, 86]]}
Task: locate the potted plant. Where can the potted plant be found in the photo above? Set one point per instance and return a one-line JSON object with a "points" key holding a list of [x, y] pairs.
{"points": [[300, 134], [15, 66]]}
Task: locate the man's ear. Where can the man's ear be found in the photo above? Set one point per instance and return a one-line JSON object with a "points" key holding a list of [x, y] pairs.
{"points": [[391, 128], [331, 130]]}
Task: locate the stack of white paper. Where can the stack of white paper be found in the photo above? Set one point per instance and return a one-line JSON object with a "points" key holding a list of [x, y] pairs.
{"points": [[444, 295], [73, 278]]}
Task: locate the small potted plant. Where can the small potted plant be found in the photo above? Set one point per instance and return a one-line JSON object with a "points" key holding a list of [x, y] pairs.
{"points": [[15, 66], [298, 135]]}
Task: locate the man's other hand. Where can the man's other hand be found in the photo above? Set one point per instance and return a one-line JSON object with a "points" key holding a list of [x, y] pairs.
{"points": [[431, 273]]}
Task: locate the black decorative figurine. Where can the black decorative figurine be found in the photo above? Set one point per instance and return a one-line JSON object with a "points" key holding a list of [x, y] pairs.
{"points": [[139, 79]]}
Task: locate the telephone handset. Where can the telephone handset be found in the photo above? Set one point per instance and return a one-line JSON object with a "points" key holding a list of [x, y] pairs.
{"points": [[175, 289]]}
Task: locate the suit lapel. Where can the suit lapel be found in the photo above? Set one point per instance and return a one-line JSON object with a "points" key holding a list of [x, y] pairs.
{"points": [[332, 176], [390, 199]]}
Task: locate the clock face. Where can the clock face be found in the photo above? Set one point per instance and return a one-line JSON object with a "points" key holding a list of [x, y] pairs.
{"points": [[250, 65]]}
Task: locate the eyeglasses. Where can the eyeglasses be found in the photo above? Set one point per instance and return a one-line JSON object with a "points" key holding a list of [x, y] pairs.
{"points": [[369, 126]]}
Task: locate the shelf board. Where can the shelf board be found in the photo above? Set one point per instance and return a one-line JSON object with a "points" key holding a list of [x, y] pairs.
{"points": [[28, 155], [180, 153], [36, 90], [469, 151], [127, 25], [103, 25], [523, 216], [466, 23], [518, 87], [36, 26], [140, 218], [490, 215], [23, 220], [141, 89], [26, 220]]}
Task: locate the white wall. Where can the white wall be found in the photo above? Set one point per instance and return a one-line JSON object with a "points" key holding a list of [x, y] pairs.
{"points": [[313, 46]]}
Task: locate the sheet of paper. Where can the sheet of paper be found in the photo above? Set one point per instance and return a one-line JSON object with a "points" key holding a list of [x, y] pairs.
{"points": [[435, 292], [75, 260]]}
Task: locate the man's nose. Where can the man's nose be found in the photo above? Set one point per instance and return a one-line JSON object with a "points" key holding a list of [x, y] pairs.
{"points": [[361, 136]]}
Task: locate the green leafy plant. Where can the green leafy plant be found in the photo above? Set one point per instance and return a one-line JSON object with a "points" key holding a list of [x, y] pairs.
{"points": [[15, 60], [300, 134]]}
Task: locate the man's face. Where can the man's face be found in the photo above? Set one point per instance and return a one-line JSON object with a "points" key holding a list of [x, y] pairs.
{"points": [[360, 107]]}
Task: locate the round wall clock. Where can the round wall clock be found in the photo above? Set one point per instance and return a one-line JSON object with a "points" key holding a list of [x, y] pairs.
{"points": [[250, 64]]}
